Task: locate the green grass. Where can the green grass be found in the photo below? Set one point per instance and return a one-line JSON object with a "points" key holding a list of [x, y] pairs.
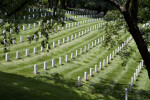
{"points": [[17, 81]]}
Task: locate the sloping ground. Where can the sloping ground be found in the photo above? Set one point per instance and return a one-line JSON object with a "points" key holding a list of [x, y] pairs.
{"points": [[17, 81]]}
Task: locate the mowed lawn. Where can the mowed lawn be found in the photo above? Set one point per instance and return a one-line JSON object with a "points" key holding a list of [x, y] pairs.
{"points": [[18, 82]]}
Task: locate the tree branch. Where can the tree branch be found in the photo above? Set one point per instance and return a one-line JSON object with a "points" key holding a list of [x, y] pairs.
{"points": [[114, 2]]}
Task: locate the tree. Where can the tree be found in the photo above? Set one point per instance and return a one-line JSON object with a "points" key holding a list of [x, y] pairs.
{"points": [[130, 13]]}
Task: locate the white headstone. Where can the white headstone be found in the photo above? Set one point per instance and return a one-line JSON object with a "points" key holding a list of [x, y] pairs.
{"points": [[103, 62], [100, 65], [66, 58], [132, 81], [75, 35], [29, 26], [85, 76], [71, 37], [41, 48], [95, 42], [68, 39], [60, 60], [53, 62], [71, 55], [107, 59], [63, 40], [110, 57], [21, 39], [79, 34], [88, 46], [53, 44], [79, 81], [91, 74], [45, 65], [85, 48], [134, 76], [35, 69], [7, 56], [17, 54], [27, 52], [129, 87], [23, 27], [126, 94], [76, 52], [58, 42], [96, 69], [34, 25], [34, 51], [81, 51], [92, 44]]}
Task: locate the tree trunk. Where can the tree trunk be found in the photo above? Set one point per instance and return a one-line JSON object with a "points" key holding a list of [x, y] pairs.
{"points": [[137, 36]]}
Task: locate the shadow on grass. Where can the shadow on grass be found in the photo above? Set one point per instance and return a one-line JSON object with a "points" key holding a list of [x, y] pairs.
{"points": [[17, 87], [53, 87], [116, 91]]}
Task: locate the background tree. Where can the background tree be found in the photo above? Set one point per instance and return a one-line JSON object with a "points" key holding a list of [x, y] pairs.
{"points": [[129, 10]]}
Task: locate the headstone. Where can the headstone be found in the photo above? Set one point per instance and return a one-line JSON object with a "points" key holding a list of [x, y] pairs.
{"points": [[53, 44], [103, 62], [98, 41], [82, 33], [21, 39], [27, 52], [40, 34], [75, 36], [13, 41], [95, 42], [71, 55], [71, 37], [45, 65], [41, 48], [17, 54], [92, 44], [34, 25], [134, 76], [79, 34], [63, 40], [91, 74], [53, 62], [39, 23], [126, 94], [85, 49], [58, 42], [66, 58], [29, 26], [48, 46], [100, 65], [35, 69], [132, 81], [81, 51], [60, 60], [7, 56], [79, 81], [136, 72], [88, 46], [67, 39], [129, 87], [23, 27], [110, 57], [96, 69], [107, 59], [34, 51], [85, 76], [76, 52]]}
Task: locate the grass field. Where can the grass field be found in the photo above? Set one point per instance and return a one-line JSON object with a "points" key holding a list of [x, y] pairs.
{"points": [[18, 82]]}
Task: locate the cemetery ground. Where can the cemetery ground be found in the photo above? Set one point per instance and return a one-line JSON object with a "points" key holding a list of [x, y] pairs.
{"points": [[18, 81]]}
